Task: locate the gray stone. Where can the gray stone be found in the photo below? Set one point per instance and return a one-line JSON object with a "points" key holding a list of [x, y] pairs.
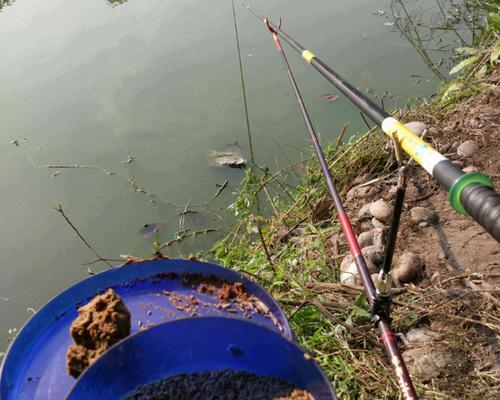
{"points": [[357, 193], [423, 214], [412, 192], [364, 211], [421, 335], [408, 267], [435, 132], [366, 225], [378, 238], [417, 127], [381, 210], [445, 147], [349, 272], [428, 362], [467, 148], [377, 224], [365, 239], [373, 256], [471, 168], [345, 262]]}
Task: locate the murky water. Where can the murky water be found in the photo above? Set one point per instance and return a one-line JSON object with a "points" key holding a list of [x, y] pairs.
{"points": [[143, 89]]}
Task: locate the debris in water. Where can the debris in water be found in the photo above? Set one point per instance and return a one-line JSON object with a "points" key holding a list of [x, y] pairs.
{"points": [[57, 173], [328, 97], [231, 156], [149, 230], [100, 324], [129, 160], [221, 385], [194, 219], [379, 13], [388, 23]]}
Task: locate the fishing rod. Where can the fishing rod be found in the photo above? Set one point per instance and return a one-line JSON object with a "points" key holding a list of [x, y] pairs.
{"points": [[379, 304], [468, 193]]}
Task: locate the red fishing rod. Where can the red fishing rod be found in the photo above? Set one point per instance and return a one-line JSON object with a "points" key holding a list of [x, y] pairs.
{"points": [[379, 303]]}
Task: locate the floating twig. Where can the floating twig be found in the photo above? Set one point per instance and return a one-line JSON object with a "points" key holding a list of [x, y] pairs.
{"points": [[60, 210]]}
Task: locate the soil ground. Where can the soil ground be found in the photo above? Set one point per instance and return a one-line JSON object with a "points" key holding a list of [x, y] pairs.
{"points": [[461, 284]]}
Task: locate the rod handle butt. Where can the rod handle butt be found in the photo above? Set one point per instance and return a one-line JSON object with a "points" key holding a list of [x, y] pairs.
{"points": [[482, 203]]}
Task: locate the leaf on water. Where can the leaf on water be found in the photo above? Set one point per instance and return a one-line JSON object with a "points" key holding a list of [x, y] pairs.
{"points": [[495, 54], [328, 97], [464, 64], [126, 256]]}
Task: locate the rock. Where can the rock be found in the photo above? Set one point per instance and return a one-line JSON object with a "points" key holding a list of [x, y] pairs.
{"points": [[379, 238], [421, 335], [467, 148], [435, 132], [428, 362], [365, 239], [435, 276], [364, 211], [408, 267], [471, 168], [445, 147], [454, 146], [374, 256], [417, 127], [412, 192], [423, 214], [423, 224], [381, 210], [377, 224], [357, 193], [365, 225], [345, 262], [349, 271]]}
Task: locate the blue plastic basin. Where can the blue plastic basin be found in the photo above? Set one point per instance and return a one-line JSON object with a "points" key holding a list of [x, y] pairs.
{"points": [[34, 367], [198, 345]]}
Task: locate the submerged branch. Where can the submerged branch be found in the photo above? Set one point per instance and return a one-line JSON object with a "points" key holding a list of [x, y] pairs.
{"points": [[60, 210]]}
